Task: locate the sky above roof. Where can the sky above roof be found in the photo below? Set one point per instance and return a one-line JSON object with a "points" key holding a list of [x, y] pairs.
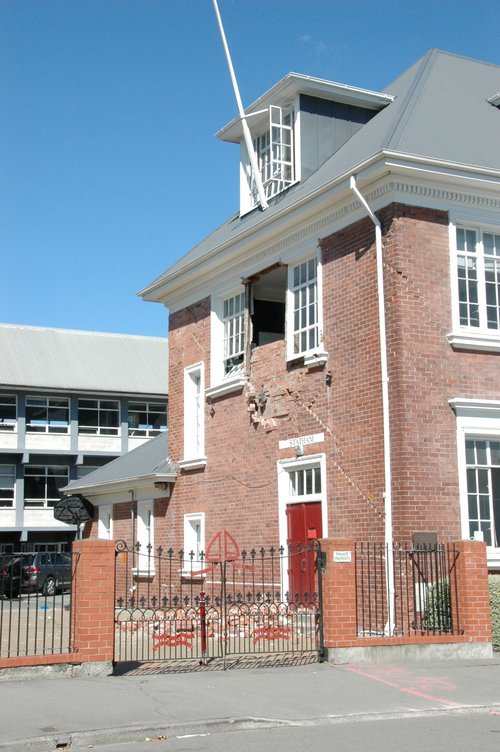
{"points": [[109, 168]]}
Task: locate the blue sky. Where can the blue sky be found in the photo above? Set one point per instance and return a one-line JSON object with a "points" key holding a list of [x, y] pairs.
{"points": [[109, 168]]}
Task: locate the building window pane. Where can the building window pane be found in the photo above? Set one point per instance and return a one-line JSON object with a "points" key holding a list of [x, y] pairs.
{"points": [[483, 489], [305, 481], [42, 484], [8, 412], [234, 322], [305, 307], [98, 417], [146, 418], [194, 423], [47, 415], [7, 485], [478, 278]]}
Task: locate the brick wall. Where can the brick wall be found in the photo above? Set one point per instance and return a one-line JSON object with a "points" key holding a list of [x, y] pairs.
{"points": [[238, 487], [471, 604], [92, 602]]}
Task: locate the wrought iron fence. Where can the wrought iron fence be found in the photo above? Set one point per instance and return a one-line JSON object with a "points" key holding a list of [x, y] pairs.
{"points": [[35, 604], [406, 591], [173, 606]]}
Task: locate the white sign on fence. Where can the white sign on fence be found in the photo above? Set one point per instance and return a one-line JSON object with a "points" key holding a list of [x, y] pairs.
{"points": [[342, 557]]}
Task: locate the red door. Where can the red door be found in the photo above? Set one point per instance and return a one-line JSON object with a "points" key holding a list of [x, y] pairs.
{"points": [[304, 525]]}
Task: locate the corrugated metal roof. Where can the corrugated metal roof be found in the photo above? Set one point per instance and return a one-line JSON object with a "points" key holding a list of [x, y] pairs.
{"points": [[146, 461], [80, 361], [440, 111]]}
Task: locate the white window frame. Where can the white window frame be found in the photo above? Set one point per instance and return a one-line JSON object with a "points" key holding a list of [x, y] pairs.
{"points": [[271, 161], [105, 524], [220, 382], [149, 408], [194, 417], [47, 501], [47, 425], [98, 430], [193, 543], [5, 474], [145, 536], [312, 355], [463, 336], [480, 420], [285, 498], [8, 424]]}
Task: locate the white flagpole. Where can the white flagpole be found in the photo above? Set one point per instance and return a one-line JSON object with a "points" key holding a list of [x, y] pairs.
{"points": [[246, 130]]}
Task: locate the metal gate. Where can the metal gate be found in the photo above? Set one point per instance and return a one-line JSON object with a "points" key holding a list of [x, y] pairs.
{"points": [[173, 606]]}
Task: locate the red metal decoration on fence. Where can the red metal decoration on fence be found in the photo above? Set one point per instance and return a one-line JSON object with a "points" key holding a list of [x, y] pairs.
{"points": [[272, 633], [222, 548]]}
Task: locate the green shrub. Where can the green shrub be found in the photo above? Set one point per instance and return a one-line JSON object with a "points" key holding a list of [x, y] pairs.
{"points": [[494, 584]]}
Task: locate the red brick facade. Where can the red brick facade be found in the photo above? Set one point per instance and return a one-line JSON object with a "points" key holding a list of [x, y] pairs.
{"points": [[238, 487]]}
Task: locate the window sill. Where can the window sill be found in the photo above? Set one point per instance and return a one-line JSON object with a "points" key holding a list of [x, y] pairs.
{"points": [[474, 341], [493, 558], [195, 464], [229, 386], [315, 359], [144, 573], [312, 359]]}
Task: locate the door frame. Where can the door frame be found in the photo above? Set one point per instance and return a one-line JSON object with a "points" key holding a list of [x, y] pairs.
{"points": [[284, 499]]}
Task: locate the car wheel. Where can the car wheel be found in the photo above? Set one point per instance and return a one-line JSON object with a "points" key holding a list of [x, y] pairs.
{"points": [[49, 586]]}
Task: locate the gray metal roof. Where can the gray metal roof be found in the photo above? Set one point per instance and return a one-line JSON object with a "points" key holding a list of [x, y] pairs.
{"points": [[79, 361], [440, 111], [147, 461]]}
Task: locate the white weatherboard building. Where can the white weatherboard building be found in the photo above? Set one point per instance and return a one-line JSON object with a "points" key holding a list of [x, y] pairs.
{"points": [[70, 401]]}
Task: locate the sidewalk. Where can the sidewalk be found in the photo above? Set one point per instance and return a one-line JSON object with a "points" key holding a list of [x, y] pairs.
{"points": [[45, 713]]}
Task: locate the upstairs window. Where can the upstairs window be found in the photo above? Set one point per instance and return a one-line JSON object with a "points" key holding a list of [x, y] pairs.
{"points": [[478, 276], [304, 307], [233, 318], [275, 152], [98, 417], [42, 484], [7, 485], [8, 412], [146, 418], [47, 415]]}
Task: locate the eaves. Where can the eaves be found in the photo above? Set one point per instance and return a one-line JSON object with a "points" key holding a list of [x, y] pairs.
{"points": [[170, 289], [123, 485]]}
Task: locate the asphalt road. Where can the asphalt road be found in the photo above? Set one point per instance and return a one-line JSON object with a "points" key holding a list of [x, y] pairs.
{"points": [[447, 731]]}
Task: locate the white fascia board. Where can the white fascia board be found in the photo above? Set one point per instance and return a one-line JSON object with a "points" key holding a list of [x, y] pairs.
{"points": [[295, 83], [124, 484], [190, 283], [170, 290], [442, 169]]}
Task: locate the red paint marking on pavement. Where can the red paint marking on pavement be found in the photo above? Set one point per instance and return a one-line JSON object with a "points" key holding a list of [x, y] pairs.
{"points": [[407, 690]]}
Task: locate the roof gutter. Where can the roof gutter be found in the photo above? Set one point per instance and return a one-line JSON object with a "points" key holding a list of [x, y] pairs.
{"points": [[385, 409]]}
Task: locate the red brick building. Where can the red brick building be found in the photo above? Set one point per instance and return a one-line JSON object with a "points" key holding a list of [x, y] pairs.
{"points": [[334, 346]]}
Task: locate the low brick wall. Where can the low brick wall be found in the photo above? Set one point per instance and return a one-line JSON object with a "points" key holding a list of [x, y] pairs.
{"points": [[340, 618]]}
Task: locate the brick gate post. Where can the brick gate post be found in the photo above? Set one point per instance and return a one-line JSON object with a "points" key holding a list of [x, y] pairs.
{"points": [[339, 591], [92, 602], [474, 613]]}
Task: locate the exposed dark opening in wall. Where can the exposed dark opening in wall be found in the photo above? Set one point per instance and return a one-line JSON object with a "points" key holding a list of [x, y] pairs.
{"points": [[268, 303]]}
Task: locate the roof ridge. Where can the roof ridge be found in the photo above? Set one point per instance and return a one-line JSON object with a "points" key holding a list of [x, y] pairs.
{"points": [[411, 99], [62, 330]]}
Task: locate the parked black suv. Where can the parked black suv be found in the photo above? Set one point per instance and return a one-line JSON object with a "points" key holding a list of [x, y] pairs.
{"points": [[41, 571]]}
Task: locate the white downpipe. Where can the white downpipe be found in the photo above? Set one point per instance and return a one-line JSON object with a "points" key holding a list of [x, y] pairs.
{"points": [[385, 410], [244, 124]]}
